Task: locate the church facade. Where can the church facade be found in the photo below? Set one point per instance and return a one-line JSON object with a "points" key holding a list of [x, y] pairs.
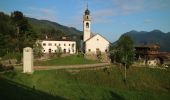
{"points": [[92, 42]]}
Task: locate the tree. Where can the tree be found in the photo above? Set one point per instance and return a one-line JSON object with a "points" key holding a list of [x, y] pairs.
{"points": [[124, 52], [37, 48], [58, 51], [6, 34], [24, 35], [15, 34]]}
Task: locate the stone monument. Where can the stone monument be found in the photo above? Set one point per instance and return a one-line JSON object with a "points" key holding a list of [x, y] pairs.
{"points": [[28, 60]]}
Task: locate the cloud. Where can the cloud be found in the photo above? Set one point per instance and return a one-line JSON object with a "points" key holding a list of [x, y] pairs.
{"points": [[125, 7], [148, 21], [103, 16], [128, 6]]}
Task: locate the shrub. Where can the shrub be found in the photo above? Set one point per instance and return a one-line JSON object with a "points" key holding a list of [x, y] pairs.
{"points": [[17, 56], [37, 48], [80, 54], [98, 54], [58, 52], [6, 68]]}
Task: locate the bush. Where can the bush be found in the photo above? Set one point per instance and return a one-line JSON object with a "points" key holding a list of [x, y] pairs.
{"points": [[19, 57], [99, 55], [80, 54], [37, 48], [58, 52], [6, 68]]}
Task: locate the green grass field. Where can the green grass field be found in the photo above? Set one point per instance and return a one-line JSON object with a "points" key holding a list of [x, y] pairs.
{"points": [[68, 60], [142, 84]]}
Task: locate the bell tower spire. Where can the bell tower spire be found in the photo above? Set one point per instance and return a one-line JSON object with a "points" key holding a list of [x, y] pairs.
{"points": [[86, 24]]}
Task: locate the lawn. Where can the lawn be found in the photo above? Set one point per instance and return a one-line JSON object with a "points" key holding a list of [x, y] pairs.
{"points": [[71, 84], [68, 60]]}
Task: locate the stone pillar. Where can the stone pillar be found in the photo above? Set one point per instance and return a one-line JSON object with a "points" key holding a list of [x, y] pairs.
{"points": [[28, 60]]}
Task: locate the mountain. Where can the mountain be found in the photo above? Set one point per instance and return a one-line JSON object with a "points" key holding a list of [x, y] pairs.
{"points": [[46, 27], [152, 37]]}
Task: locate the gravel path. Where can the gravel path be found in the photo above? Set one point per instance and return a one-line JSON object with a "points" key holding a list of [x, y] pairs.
{"points": [[71, 66]]}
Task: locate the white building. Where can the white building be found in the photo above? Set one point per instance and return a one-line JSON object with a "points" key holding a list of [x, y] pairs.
{"points": [[66, 46], [93, 42]]}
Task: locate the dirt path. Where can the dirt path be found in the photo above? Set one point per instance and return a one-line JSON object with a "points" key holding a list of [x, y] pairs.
{"points": [[71, 66]]}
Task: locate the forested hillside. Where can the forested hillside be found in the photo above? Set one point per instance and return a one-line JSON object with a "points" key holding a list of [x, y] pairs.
{"points": [[18, 31], [15, 33], [53, 29], [152, 37]]}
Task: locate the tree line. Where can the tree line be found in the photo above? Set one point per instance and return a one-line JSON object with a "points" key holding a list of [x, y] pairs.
{"points": [[15, 33]]}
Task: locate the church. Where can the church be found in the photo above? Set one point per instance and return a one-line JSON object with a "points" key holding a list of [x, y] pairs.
{"points": [[92, 43]]}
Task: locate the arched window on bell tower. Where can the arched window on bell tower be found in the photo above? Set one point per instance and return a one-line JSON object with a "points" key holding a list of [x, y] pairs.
{"points": [[87, 17], [87, 25]]}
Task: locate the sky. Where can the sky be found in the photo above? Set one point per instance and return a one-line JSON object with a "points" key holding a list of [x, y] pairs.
{"points": [[110, 18]]}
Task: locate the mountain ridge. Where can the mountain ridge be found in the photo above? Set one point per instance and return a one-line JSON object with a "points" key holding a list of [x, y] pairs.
{"points": [[40, 25], [152, 37]]}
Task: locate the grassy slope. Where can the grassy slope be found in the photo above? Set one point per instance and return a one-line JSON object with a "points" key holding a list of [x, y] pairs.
{"points": [[143, 83], [68, 60]]}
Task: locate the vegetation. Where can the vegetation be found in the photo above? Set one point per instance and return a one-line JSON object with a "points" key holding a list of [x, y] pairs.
{"points": [[18, 31], [6, 68], [58, 52], [124, 52], [99, 55], [103, 84], [37, 49], [68, 60], [15, 34], [53, 29]]}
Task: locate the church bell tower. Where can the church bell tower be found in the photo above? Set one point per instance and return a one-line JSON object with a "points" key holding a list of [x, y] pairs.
{"points": [[86, 25]]}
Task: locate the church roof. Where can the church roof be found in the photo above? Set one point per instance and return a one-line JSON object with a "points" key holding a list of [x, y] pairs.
{"points": [[94, 34], [87, 12]]}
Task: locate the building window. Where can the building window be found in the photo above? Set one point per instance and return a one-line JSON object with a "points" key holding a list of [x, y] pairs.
{"points": [[87, 25], [97, 39], [89, 50], [72, 50], [44, 50], [64, 51], [64, 44], [69, 44], [73, 45], [87, 17], [44, 44], [106, 50], [49, 50], [59, 44], [55, 44], [49, 44]]}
